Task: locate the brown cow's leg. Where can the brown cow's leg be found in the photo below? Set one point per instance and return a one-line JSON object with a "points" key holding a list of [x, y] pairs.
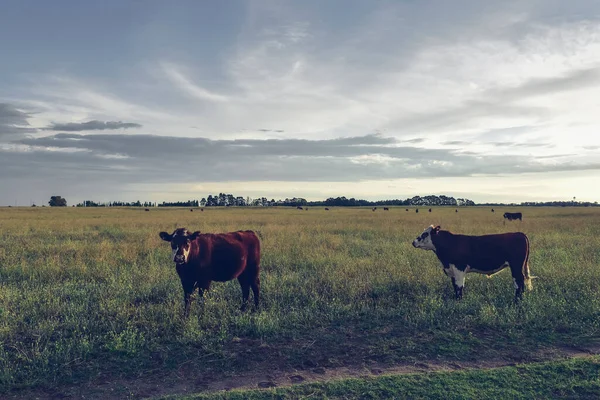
{"points": [[187, 300], [245, 292], [256, 290]]}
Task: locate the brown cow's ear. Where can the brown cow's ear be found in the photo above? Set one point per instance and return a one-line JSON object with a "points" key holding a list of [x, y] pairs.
{"points": [[165, 236], [194, 235]]}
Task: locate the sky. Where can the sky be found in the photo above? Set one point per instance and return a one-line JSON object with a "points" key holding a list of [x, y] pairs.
{"points": [[166, 101]]}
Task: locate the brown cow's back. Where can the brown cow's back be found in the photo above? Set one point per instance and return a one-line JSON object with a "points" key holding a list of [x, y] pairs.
{"points": [[222, 257]]}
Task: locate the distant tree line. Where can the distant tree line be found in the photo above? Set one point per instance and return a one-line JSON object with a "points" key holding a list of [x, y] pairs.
{"points": [[414, 201], [189, 203], [229, 200], [90, 203]]}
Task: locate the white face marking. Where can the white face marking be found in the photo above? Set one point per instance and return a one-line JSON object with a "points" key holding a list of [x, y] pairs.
{"points": [[423, 241], [182, 257]]}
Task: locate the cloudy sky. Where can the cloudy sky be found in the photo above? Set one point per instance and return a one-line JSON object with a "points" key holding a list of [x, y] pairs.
{"points": [[155, 100]]}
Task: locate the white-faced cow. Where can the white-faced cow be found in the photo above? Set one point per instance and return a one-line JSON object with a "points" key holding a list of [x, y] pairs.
{"points": [[487, 254], [203, 258]]}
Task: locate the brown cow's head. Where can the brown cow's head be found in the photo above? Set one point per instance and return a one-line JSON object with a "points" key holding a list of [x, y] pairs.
{"points": [[424, 240], [181, 241]]}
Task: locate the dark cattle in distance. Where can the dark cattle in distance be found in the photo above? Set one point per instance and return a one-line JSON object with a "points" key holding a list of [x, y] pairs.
{"points": [[299, 208], [386, 209], [407, 209], [201, 258], [456, 210], [430, 210], [513, 216], [493, 210], [326, 209], [191, 210], [487, 254], [147, 209], [202, 209]]}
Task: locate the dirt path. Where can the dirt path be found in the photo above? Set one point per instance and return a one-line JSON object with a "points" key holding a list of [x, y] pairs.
{"points": [[184, 381]]}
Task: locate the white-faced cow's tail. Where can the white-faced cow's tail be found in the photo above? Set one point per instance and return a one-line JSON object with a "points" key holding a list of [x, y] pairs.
{"points": [[526, 272]]}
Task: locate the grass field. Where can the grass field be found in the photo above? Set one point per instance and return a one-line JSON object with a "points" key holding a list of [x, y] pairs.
{"points": [[90, 295]]}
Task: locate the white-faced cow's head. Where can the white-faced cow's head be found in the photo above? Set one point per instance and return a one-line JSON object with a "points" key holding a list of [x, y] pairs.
{"points": [[180, 241], [424, 240]]}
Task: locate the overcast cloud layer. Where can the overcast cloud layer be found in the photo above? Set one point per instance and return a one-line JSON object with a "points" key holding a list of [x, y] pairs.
{"points": [[366, 99]]}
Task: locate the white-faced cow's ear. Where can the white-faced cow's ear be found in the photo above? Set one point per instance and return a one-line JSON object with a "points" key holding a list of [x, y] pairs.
{"points": [[194, 235], [436, 229], [165, 236]]}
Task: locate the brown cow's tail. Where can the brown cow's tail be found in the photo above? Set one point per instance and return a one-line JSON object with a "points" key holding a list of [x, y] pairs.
{"points": [[259, 234], [526, 272]]}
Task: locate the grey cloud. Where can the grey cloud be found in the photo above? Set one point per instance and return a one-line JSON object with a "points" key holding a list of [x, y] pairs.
{"points": [[93, 125], [13, 121], [591, 147], [543, 86], [555, 156], [153, 159], [526, 144], [505, 103], [455, 142], [415, 140], [271, 130]]}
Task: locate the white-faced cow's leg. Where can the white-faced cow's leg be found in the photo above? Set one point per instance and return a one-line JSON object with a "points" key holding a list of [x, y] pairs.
{"points": [[519, 282], [458, 280]]}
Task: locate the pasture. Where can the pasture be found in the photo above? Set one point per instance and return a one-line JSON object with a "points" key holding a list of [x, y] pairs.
{"points": [[90, 300]]}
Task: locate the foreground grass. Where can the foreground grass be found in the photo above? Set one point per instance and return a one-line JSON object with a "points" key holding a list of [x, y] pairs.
{"points": [[91, 293], [573, 379]]}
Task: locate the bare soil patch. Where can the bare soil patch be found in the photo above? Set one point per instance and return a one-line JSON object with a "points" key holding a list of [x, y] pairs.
{"points": [[269, 373]]}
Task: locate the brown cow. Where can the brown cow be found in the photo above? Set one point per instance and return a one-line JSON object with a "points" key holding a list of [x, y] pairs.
{"points": [[430, 210], [326, 209], [201, 258], [487, 254], [146, 209], [386, 209], [191, 210]]}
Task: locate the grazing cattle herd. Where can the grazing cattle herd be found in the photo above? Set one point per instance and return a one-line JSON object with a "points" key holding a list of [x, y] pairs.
{"points": [[201, 258]]}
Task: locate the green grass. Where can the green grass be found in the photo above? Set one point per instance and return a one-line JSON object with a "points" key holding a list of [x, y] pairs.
{"points": [[91, 292], [573, 379]]}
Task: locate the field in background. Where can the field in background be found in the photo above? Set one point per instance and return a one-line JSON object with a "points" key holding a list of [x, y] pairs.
{"points": [[90, 295]]}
